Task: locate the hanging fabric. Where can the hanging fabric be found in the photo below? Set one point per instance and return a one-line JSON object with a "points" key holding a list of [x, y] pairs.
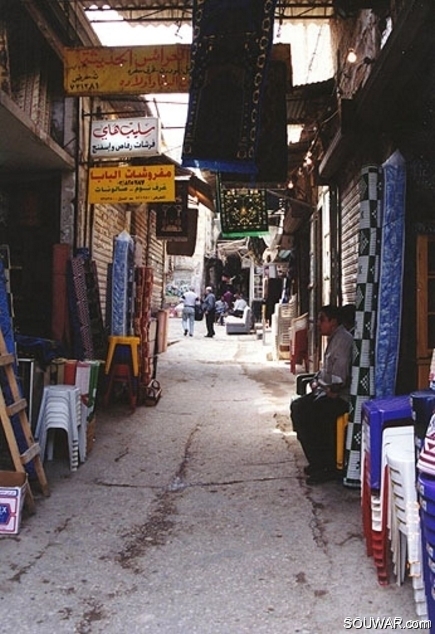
{"points": [[243, 210], [230, 50], [171, 218], [185, 247]]}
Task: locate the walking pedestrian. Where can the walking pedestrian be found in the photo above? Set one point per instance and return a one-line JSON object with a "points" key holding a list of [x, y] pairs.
{"points": [[188, 315]]}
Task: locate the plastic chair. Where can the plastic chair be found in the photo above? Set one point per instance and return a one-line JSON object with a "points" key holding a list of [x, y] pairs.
{"points": [[341, 425], [376, 505], [404, 521]]}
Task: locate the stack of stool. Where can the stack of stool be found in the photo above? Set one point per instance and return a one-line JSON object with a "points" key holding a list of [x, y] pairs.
{"points": [[122, 367], [61, 409], [379, 415], [404, 520]]}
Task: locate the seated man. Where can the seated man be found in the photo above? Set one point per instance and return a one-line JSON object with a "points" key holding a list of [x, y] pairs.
{"points": [[239, 306], [314, 415]]}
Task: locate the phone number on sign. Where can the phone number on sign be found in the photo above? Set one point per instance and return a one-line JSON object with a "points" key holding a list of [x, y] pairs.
{"points": [[381, 623]]}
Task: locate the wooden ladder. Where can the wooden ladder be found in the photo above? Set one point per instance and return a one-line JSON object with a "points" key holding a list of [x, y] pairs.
{"points": [[18, 407]]}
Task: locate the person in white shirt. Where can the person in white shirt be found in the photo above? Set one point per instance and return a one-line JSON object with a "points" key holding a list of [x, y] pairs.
{"points": [[188, 315], [239, 306]]}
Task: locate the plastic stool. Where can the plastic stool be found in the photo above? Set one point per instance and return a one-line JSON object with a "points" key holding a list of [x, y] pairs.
{"points": [[393, 411], [119, 345], [341, 439]]}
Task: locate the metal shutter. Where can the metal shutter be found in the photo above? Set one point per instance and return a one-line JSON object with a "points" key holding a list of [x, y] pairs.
{"points": [[350, 212]]}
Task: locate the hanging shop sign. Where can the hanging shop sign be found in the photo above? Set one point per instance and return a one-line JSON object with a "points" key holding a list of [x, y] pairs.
{"points": [[125, 137], [127, 70], [134, 184]]}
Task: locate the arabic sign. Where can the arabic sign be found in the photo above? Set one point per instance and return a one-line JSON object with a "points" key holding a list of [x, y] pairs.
{"points": [[132, 70], [125, 137], [134, 184]]}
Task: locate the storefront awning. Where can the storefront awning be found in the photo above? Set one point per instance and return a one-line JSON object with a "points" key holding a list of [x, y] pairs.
{"points": [[24, 146]]}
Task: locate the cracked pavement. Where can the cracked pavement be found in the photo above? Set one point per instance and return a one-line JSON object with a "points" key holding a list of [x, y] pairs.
{"points": [[193, 516]]}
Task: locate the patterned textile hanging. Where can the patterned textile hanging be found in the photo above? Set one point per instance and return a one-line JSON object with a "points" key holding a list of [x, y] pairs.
{"points": [[229, 55], [243, 210], [185, 247], [272, 152], [172, 218], [362, 386]]}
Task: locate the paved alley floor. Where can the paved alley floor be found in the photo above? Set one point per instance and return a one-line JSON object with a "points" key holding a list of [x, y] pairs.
{"points": [[193, 517]]}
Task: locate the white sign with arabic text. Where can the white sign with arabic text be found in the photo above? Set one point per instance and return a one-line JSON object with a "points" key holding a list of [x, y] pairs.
{"points": [[119, 138]]}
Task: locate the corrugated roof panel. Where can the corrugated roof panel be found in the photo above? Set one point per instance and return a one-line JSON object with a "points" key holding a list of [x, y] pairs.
{"points": [[167, 11]]}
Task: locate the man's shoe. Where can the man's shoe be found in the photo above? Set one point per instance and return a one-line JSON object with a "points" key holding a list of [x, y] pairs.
{"points": [[185, 332], [323, 475]]}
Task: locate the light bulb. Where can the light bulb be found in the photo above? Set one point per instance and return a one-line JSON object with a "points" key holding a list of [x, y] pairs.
{"points": [[351, 56]]}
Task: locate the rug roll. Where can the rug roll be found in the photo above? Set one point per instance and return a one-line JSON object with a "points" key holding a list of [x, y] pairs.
{"points": [[362, 385], [60, 327], [390, 276]]}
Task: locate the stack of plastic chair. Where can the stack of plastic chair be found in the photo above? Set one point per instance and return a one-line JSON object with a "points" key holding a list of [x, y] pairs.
{"points": [[61, 409], [281, 321], [384, 421], [404, 520]]}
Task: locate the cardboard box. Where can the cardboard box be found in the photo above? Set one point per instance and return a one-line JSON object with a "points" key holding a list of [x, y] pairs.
{"points": [[12, 493]]}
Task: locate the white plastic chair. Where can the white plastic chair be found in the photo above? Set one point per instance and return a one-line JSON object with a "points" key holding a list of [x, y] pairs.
{"points": [[405, 521]]}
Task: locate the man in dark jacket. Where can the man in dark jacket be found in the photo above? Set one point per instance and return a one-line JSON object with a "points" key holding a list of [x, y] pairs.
{"points": [[209, 308]]}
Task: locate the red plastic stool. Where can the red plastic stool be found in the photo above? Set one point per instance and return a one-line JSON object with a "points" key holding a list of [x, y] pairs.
{"points": [[121, 373], [123, 348]]}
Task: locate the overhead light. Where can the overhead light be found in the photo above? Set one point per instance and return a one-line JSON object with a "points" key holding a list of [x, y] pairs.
{"points": [[351, 56]]}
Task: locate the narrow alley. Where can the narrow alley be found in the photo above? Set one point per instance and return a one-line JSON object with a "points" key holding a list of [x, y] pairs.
{"points": [[193, 517]]}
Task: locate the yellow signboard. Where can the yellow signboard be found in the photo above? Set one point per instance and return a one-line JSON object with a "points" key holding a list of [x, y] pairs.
{"points": [[127, 69], [134, 184]]}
